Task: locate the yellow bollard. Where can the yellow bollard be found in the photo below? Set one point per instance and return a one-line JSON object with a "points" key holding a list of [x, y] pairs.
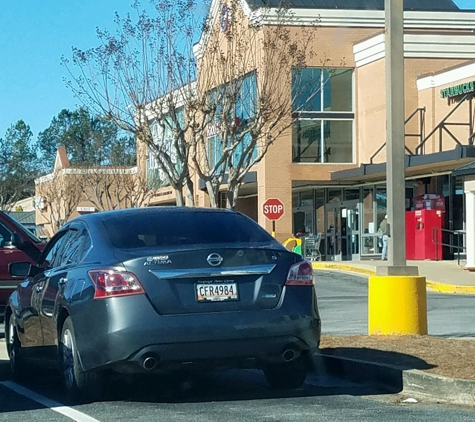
{"points": [[397, 305]]}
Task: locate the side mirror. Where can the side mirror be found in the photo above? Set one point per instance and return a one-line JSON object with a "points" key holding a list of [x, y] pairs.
{"points": [[19, 269], [23, 269]]}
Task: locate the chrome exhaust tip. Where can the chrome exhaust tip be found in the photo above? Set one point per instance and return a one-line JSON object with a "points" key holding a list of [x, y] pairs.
{"points": [[149, 363], [289, 355]]}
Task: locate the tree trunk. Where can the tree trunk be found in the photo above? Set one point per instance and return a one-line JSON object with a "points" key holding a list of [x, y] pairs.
{"points": [[213, 193], [232, 196], [180, 200], [190, 192]]}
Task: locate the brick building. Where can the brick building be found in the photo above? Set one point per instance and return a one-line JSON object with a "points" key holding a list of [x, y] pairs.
{"points": [[329, 167]]}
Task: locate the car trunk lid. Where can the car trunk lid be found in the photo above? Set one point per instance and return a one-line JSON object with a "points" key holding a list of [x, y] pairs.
{"points": [[212, 279]]}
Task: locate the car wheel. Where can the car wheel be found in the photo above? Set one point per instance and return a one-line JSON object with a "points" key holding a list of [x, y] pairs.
{"points": [[14, 349], [288, 375], [79, 384]]}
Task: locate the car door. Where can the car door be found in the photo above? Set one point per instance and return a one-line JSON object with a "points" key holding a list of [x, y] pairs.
{"points": [[57, 278], [31, 292], [8, 253], [29, 295]]}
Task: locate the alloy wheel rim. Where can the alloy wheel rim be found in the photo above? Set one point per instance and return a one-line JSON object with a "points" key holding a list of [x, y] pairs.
{"points": [[11, 344], [68, 359]]}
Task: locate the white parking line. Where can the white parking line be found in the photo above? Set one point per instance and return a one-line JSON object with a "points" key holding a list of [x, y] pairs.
{"points": [[50, 404]]}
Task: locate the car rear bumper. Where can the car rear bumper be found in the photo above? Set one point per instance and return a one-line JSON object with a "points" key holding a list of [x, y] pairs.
{"points": [[245, 353], [219, 339]]}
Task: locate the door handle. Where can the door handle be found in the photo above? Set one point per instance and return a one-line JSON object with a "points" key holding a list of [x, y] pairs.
{"points": [[39, 288], [62, 281]]}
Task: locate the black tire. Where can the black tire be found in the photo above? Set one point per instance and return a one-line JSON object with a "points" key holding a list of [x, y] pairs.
{"points": [[79, 384], [288, 375], [18, 366]]}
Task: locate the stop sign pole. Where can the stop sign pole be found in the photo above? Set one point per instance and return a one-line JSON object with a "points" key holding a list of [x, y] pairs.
{"points": [[273, 209]]}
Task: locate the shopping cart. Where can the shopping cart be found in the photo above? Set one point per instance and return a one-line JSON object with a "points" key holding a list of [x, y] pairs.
{"points": [[311, 247]]}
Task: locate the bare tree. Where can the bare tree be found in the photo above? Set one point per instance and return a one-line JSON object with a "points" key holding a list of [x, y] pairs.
{"points": [[60, 195], [109, 188], [218, 122], [141, 78]]}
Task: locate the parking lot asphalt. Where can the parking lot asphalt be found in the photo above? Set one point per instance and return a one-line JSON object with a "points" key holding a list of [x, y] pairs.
{"points": [[441, 276]]}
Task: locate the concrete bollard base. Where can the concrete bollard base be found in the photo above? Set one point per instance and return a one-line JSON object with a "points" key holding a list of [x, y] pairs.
{"points": [[397, 305]]}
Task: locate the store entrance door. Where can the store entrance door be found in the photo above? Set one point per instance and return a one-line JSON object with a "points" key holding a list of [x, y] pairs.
{"points": [[342, 240]]}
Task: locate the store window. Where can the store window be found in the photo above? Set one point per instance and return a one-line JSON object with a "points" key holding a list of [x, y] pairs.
{"points": [[334, 195], [243, 92], [381, 204], [352, 194], [322, 102], [164, 139]]}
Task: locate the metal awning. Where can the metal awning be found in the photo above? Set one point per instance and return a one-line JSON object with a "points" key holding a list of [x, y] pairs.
{"points": [[415, 165]]}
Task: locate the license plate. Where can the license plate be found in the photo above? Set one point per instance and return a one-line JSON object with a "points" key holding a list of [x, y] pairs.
{"points": [[216, 292]]}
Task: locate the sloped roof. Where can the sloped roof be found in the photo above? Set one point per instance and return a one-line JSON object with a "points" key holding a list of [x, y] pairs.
{"points": [[23, 217], [418, 5]]}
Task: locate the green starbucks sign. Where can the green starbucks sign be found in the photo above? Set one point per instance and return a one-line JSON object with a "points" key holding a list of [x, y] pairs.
{"points": [[457, 90]]}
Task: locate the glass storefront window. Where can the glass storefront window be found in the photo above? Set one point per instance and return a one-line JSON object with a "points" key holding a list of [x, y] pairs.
{"points": [[320, 211], [323, 100], [370, 242], [337, 141], [382, 204], [322, 89], [352, 194], [307, 89], [338, 90], [295, 199], [322, 141], [334, 195], [307, 141], [368, 210]]}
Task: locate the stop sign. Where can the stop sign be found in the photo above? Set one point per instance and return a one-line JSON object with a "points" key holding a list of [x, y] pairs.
{"points": [[273, 209]]}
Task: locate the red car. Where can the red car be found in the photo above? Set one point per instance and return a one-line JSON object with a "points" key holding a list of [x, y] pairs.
{"points": [[13, 233]]}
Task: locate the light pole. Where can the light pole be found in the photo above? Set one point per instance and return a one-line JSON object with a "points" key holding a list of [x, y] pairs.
{"points": [[397, 302], [395, 170]]}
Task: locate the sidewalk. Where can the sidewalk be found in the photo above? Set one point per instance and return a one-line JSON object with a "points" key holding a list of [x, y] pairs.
{"points": [[441, 276]]}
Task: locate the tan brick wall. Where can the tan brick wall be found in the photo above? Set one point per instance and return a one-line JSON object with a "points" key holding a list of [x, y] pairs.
{"points": [[371, 106], [438, 109]]}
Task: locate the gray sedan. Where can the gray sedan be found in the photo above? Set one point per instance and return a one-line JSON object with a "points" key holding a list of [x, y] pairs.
{"points": [[163, 290]]}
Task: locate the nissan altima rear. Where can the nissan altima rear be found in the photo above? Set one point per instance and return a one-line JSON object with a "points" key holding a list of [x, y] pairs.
{"points": [[167, 289]]}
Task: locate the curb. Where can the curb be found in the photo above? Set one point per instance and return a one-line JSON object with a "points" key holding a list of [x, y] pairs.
{"points": [[434, 286], [397, 380]]}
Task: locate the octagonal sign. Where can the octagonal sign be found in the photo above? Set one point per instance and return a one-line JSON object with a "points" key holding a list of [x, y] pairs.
{"points": [[273, 209]]}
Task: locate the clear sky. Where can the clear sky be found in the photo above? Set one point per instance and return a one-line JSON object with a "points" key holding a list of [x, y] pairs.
{"points": [[34, 34]]}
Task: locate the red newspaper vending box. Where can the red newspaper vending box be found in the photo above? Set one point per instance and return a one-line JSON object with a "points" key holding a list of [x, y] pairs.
{"points": [[410, 235], [426, 223]]}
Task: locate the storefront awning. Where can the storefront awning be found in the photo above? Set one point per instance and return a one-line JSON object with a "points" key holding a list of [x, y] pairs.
{"points": [[415, 165], [465, 170]]}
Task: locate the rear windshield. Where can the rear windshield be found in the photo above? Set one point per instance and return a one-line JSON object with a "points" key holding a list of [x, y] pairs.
{"points": [[184, 228]]}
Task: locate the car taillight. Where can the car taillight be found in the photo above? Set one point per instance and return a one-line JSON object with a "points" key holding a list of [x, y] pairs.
{"points": [[300, 274], [113, 283]]}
